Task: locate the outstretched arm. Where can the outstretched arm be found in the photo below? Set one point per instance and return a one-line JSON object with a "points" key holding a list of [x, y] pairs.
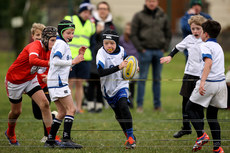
{"points": [[168, 58]]}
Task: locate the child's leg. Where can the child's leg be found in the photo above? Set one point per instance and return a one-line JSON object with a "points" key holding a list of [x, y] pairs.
{"points": [[70, 110], [125, 118], [196, 115], [214, 126], [186, 128], [57, 121], [186, 124]]}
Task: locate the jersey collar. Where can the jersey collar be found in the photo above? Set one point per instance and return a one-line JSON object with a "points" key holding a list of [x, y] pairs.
{"points": [[212, 39]]}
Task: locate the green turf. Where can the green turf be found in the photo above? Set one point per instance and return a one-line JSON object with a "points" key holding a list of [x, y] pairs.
{"points": [[101, 133]]}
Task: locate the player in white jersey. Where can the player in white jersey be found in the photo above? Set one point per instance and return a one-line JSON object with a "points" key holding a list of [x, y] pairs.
{"points": [[57, 81], [210, 91], [192, 69], [110, 61]]}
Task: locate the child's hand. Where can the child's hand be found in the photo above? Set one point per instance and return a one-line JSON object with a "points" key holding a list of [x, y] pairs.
{"points": [[201, 88], [82, 50], [123, 64], [78, 59], [191, 11], [44, 78], [166, 59]]}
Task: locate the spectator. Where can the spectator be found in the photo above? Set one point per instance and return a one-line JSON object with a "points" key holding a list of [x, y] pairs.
{"points": [[82, 37], [195, 9], [130, 50], [151, 35], [103, 20]]}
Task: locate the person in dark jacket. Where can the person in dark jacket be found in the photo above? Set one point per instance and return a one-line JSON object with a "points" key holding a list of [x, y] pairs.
{"points": [[103, 20], [151, 35]]}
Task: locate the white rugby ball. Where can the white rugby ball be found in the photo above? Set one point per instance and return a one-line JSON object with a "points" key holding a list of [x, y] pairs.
{"points": [[130, 70]]}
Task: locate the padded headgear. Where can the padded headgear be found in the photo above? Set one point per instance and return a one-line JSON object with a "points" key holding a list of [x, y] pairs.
{"points": [[112, 35], [63, 25], [47, 33]]}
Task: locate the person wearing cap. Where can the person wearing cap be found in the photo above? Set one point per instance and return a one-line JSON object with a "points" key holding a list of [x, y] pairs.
{"points": [[83, 33], [110, 61], [57, 82], [151, 35], [195, 9], [21, 78]]}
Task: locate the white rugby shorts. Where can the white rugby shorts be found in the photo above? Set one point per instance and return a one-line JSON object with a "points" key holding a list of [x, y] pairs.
{"points": [[56, 93], [215, 94], [15, 91]]}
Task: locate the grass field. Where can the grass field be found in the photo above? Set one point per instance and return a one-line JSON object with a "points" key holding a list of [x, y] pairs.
{"points": [[101, 133]]}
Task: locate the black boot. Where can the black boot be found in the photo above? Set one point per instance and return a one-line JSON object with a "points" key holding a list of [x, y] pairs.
{"points": [[182, 132]]}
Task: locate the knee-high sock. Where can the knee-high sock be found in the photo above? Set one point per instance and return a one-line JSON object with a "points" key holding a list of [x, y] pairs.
{"points": [[124, 117], [68, 122], [11, 129], [186, 124], [45, 131], [214, 126], [196, 115], [54, 128]]}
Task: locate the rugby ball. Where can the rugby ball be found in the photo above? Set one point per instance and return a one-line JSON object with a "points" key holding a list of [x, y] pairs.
{"points": [[130, 70]]}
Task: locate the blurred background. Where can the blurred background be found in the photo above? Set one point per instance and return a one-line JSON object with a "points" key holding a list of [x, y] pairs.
{"points": [[17, 16]]}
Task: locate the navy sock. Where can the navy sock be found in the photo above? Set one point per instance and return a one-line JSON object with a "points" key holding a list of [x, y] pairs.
{"points": [[130, 133], [54, 128], [68, 122]]}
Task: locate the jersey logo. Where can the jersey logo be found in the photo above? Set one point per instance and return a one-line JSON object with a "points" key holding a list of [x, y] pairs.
{"points": [[65, 91]]}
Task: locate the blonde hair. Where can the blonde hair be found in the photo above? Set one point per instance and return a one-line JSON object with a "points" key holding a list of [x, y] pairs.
{"points": [[197, 19], [36, 26]]}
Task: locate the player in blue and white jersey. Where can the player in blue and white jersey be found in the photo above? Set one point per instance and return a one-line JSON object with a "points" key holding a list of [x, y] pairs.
{"points": [[210, 91], [110, 61], [193, 67], [57, 81]]}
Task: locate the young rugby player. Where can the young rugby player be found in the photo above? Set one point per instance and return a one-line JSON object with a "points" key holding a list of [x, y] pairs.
{"points": [[110, 60], [57, 81], [210, 91], [36, 34], [192, 69], [22, 78]]}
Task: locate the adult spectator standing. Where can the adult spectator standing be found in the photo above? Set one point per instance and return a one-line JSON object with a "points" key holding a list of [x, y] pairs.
{"points": [[151, 35], [104, 21], [84, 31], [130, 50], [195, 9]]}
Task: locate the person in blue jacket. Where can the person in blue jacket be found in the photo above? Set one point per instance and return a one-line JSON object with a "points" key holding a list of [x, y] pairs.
{"points": [[195, 9]]}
